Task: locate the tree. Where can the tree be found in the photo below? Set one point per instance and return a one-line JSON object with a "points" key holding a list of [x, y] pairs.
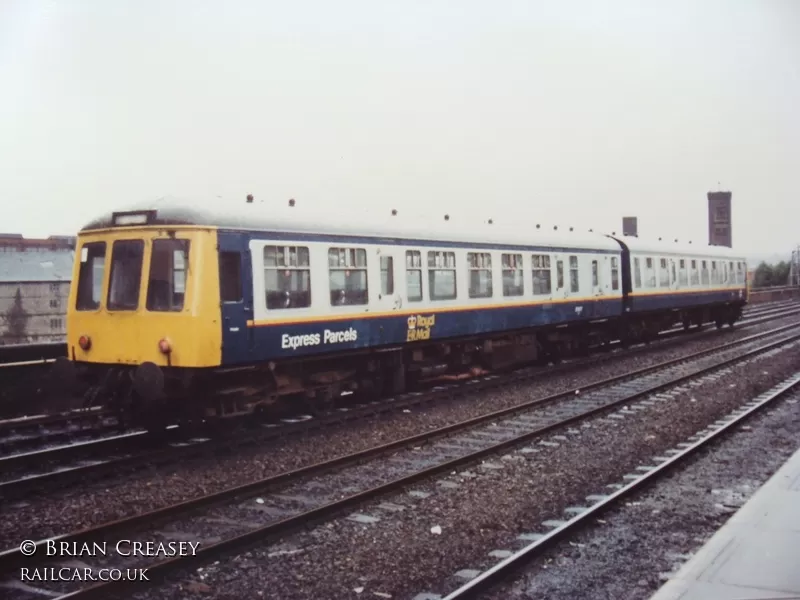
{"points": [[771, 275], [16, 318]]}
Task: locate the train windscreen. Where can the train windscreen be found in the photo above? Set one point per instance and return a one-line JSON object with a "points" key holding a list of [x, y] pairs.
{"points": [[126, 275], [90, 276]]}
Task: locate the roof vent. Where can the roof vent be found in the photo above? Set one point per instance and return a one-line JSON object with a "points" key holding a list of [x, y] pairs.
{"points": [[659, 239], [537, 226], [447, 217], [555, 227], [249, 198], [291, 202], [394, 212], [676, 240], [591, 231], [570, 228], [490, 221], [613, 233]]}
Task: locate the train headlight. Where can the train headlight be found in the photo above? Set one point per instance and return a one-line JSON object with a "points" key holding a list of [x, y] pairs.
{"points": [[85, 342], [164, 346]]}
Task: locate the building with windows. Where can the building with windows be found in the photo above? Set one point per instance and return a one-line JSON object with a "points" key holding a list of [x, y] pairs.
{"points": [[719, 219], [35, 277]]}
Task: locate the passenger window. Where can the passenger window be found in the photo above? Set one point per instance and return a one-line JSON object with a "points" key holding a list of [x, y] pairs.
{"points": [[90, 276], [230, 276], [559, 274], [414, 275], [287, 277], [166, 287], [683, 277], [126, 274], [637, 273], [663, 273], [574, 282], [695, 274], [595, 275], [614, 273], [347, 269], [650, 273], [714, 274], [513, 283], [541, 274], [479, 265], [704, 273], [442, 275], [387, 275], [672, 267]]}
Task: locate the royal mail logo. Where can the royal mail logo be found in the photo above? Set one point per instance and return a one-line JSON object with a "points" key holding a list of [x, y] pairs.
{"points": [[419, 327]]}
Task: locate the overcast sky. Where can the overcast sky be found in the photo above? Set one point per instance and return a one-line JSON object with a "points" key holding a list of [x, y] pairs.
{"points": [[566, 112]]}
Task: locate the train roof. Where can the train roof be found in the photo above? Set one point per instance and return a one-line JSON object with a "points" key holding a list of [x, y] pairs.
{"points": [[668, 247], [309, 220]]}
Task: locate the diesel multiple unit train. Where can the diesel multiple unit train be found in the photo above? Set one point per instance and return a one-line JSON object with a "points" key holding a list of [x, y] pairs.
{"points": [[182, 311]]}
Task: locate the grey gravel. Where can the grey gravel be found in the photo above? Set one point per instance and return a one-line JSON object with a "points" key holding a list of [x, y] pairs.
{"points": [[637, 547]]}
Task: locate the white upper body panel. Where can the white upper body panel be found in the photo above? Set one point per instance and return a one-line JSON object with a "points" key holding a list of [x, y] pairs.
{"points": [[384, 226], [671, 248]]}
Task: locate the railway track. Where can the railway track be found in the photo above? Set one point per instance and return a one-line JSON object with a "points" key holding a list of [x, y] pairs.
{"points": [[78, 418], [265, 510], [16, 444], [55, 467], [660, 466]]}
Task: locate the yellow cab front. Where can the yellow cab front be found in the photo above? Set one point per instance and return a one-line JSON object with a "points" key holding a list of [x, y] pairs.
{"points": [[145, 294]]}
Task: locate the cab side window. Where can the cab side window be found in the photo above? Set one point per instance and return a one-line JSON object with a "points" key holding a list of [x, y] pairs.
{"points": [[166, 287], [90, 276]]}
